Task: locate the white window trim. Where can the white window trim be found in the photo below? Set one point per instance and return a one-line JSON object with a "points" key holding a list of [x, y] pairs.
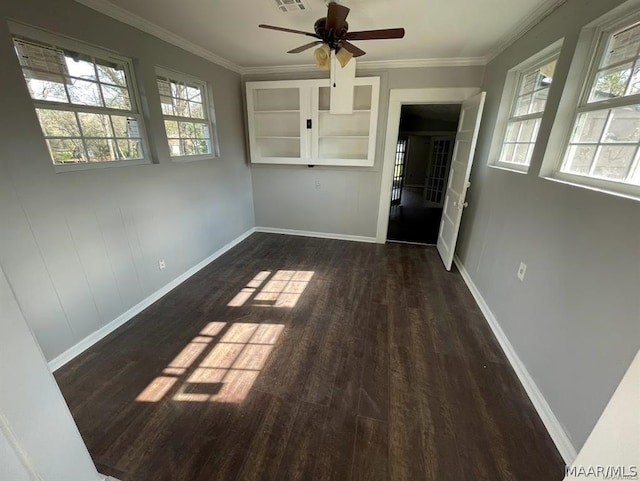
{"points": [[591, 42], [208, 107], [61, 41], [509, 94]]}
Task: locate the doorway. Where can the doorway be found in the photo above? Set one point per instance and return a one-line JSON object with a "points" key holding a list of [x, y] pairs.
{"points": [[422, 162]]}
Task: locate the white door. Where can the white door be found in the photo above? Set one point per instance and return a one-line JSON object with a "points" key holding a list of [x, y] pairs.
{"points": [[465, 146]]}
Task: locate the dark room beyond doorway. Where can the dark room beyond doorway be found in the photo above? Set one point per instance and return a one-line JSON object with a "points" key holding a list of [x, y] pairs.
{"points": [[423, 159]]}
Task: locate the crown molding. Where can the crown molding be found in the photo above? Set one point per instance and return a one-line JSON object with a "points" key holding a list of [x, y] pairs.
{"points": [[374, 65], [118, 13], [107, 8], [523, 27]]}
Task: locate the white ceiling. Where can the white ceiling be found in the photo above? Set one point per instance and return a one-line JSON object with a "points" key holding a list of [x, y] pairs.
{"points": [[446, 31]]}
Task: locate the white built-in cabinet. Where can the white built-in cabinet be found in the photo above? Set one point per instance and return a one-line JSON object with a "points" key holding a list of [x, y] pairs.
{"points": [[290, 123]]}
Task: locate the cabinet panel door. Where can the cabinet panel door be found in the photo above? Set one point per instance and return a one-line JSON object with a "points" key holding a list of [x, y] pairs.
{"points": [[275, 117]]}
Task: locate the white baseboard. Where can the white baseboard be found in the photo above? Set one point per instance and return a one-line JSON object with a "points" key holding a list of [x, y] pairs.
{"points": [[91, 339], [321, 235], [555, 429]]}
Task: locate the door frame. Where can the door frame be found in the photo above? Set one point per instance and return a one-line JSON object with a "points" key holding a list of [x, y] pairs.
{"points": [[398, 98]]}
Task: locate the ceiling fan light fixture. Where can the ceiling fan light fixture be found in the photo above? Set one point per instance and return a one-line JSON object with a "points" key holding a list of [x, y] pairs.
{"points": [[343, 56], [322, 56]]}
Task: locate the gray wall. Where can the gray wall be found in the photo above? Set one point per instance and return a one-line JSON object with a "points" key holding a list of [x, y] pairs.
{"points": [[575, 320], [81, 248], [348, 198]]}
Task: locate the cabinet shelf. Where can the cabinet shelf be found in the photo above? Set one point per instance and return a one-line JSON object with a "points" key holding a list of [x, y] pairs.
{"points": [[355, 111], [276, 111], [346, 137], [281, 137]]}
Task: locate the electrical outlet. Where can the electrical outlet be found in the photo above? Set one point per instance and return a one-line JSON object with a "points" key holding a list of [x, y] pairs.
{"points": [[317, 184], [522, 270], [161, 264]]}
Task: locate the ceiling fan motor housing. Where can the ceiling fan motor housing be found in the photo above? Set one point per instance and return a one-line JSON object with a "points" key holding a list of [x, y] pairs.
{"points": [[330, 37]]}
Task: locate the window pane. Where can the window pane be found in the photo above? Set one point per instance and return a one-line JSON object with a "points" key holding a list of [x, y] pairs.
{"points": [[52, 89], [164, 88], [84, 92], [623, 46], [523, 104], [100, 150], [112, 74], [589, 126], [95, 125], [119, 126], [613, 161], [529, 130], [193, 93], [187, 130], [521, 154], [634, 84], [203, 146], [116, 97], [167, 105], [171, 127], [579, 158], [181, 108], [80, 68], [513, 129], [539, 101], [529, 83], [58, 123], [128, 149], [66, 150], [201, 131], [611, 83], [174, 147], [196, 110], [506, 155], [187, 147], [624, 125], [178, 90]]}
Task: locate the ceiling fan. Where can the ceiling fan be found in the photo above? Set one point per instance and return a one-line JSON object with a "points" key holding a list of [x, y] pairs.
{"points": [[332, 31]]}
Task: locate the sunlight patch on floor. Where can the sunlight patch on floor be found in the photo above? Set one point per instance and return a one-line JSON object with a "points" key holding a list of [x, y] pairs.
{"points": [[210, 370], [282, 289]]}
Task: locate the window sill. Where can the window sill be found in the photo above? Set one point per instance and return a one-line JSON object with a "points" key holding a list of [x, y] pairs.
{"points": [[63, 168], [193, 158], [569, 180], [509, 168]]}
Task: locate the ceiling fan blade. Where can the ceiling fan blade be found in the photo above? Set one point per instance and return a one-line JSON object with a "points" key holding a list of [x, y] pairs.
{"points": [[383, 34], [305, 47], [353, 49], [289, 30], [336, 16]]}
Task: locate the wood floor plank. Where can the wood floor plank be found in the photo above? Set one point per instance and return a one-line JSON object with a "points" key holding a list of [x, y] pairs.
{"points": [[374, 390], [293, 358], [298, 460], [370, 458]]}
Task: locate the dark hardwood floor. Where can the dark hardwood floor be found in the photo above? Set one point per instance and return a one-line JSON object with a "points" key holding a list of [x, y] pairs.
{"points": [[295, 358]]}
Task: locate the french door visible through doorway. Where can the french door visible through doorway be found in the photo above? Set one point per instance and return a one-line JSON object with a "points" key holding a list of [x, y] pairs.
{"points": [[398, 172], [438, 173]]}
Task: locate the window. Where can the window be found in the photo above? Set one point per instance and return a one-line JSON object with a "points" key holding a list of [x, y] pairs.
{"points": [[523, 103], [188, 115], [605, 135], [84, 99], [595, 141]]}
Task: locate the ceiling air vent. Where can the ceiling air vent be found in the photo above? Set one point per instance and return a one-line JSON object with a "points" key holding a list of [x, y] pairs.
{"points": [[291, 6]]}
